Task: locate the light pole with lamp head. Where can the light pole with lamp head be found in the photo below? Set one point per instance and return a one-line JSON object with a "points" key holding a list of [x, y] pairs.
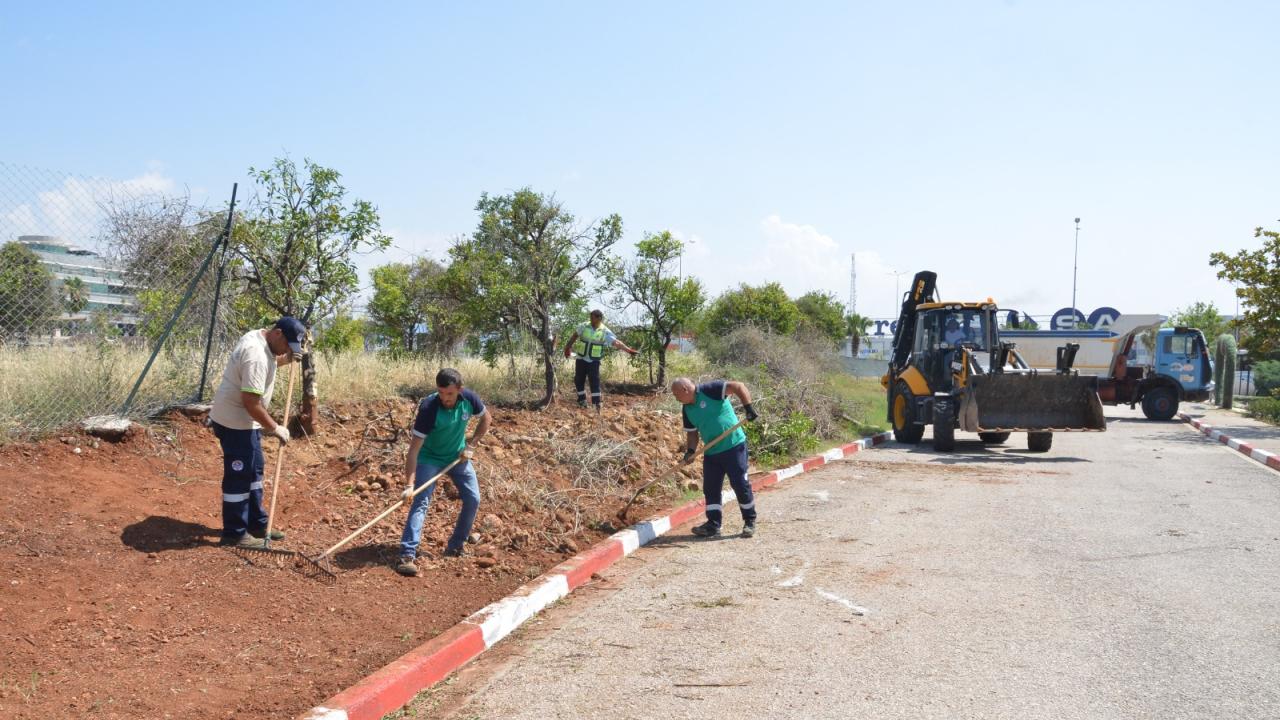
{"points": [[897, 293], [1075, 265]]}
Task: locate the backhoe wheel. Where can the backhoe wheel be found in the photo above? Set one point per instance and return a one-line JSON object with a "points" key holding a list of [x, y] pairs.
{"points": [[903, 402], [944, 435], [993, 438], [1160, 404], [1039, 441]]}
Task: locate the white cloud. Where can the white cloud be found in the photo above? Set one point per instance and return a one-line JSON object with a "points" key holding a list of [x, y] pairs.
{"points": [[71, 208]]}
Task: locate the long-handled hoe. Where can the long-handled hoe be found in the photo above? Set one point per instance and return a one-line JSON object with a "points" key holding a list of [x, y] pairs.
{"points": [[622, 514], [323, 561]]}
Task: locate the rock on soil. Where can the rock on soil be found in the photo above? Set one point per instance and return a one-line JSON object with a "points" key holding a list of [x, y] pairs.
{"points": [[107, 427]]}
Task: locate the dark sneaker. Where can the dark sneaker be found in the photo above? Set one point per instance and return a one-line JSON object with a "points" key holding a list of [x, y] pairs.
{"points": [[275, 534], [453, 552], [245, 541], [582, 403], [749, 530], [706, 529], [406, 567]]}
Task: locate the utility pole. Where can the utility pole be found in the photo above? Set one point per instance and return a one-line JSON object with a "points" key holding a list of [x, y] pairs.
{"points": [[1075, 266], [853, 285]]}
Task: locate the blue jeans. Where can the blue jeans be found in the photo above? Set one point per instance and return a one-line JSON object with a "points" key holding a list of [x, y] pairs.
{"points": [[242, 466], [464, 478]]}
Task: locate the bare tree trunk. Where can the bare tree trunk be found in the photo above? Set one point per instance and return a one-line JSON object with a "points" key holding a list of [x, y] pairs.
{"points": [[548, 362], [662, 364], [310, 396]]}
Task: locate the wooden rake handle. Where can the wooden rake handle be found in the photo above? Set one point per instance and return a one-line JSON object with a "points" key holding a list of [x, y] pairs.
{"points": [[389, 510], [275, 484]]}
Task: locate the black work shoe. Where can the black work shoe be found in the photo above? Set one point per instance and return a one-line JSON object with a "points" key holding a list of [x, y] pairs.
{"points": [[706, 529], [406, 567], [749, 530], [582, 403], [453, 552], [275, 534]]}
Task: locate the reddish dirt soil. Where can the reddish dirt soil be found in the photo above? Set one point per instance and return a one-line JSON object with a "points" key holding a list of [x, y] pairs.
{"points": [[116, 602]]}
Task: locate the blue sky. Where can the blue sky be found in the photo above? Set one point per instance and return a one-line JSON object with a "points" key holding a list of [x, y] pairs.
{"points": [[961, 137]]}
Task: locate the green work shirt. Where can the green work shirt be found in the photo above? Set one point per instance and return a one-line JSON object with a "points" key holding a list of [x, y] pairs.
{"points": [[444, 430], [710, 414]]}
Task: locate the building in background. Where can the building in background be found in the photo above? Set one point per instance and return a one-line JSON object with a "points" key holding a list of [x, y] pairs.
{"points": [[109, 293]]}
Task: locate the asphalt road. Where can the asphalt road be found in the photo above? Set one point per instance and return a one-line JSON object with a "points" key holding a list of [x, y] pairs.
{"points": [[1131, 574]]}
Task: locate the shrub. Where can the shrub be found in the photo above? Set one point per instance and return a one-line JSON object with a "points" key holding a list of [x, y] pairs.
{"points": [[1266, 377], [1266, 409]]}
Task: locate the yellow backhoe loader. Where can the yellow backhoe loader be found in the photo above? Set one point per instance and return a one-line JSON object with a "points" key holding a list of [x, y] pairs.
{"points": [[950, 370]]}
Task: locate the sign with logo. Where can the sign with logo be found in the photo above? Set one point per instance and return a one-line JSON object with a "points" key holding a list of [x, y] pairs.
{"points": [[1068, 318]]}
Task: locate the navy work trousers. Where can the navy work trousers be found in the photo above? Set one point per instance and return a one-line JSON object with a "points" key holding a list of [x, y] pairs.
{"points": [[242, 465], [731, 462], [582, 372]]}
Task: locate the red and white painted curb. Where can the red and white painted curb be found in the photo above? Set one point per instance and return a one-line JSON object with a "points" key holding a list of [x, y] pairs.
{"points": [[1265, 457], [390, 688]]}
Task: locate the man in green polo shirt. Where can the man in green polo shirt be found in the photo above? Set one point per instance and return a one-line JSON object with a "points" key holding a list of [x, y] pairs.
{"points": [[708, 412], [439, 437], [588, 342]]}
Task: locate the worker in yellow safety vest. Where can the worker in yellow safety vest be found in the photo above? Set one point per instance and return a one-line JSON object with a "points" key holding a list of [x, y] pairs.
{"points": [[588, 342]]}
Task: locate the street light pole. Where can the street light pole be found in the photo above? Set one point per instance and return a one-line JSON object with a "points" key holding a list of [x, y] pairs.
{"points": [[897, 292], [1075, 265]]}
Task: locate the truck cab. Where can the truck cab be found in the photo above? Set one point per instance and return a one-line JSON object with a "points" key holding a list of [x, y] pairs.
{"points": [[1182, 355]]}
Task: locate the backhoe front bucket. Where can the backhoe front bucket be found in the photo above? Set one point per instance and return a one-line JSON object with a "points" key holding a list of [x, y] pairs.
{"points": [[1016, 402]]}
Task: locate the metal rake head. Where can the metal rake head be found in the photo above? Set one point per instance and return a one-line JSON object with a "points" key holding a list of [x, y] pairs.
{"points": [[313, 568]]}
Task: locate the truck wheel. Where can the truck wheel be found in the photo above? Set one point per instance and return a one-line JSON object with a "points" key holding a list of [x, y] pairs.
{"points": [[1160, 404], [905, 430], [1039, 441], [993, 438]]}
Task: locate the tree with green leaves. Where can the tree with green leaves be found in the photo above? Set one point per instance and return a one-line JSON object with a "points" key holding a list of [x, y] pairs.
{"points": [[527, 260], [411, 297], [1202, 316], [397, 307], [28, 304], [766, 307], [298, 240], [75, 295], [159, 244], [667, 302], [1256, 274], [822, 314], [341, 333], [856, 325]]}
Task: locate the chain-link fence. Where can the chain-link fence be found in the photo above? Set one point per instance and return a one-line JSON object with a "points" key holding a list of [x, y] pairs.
{"points": [[93, 274]]}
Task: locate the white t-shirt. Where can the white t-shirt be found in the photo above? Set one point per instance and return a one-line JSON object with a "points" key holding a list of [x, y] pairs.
{"points": [[251, 368]]}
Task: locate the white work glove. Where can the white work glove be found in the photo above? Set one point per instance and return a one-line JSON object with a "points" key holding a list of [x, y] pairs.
{"points": [[408, 493], [467, 452], [282, 433]]}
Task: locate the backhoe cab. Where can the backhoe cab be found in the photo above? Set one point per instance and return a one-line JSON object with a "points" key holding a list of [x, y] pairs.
{"points": [[949, 369]]}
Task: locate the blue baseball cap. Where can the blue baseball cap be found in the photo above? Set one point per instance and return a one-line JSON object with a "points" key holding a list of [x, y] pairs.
{"points": [[294, 331]]}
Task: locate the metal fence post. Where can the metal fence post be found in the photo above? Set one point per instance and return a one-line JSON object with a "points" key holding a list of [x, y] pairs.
{"points": [[217, 299]]}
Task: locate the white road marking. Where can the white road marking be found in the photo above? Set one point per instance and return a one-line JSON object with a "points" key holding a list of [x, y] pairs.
{"points": [[856, 609]]}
